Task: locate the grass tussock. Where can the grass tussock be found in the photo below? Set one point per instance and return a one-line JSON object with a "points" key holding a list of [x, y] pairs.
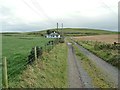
{"points": [[49, 72]]}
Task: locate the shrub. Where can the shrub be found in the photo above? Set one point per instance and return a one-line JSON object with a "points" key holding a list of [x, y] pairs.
{"points": [[61, 40], [115, 60]]}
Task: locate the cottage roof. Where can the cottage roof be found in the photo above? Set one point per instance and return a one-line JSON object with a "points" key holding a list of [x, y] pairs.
{"points": [[54, 33]]}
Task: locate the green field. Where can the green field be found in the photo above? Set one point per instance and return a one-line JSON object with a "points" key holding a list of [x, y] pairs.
{"points": [[76, 32], [17, 48], [51, 70]]}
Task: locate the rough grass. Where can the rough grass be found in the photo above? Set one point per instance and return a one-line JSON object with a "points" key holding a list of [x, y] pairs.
{"points": [[49, 72], [109, 55], [97, 77]]}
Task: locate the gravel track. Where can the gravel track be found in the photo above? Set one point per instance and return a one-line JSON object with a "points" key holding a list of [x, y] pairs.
{"points": [[78, 77], [74, 79], [110, 72]]}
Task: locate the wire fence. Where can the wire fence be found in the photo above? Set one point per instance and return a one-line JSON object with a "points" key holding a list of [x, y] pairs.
{"points": [[35, 54]]}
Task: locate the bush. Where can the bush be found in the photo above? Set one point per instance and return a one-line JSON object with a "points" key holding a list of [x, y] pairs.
{"points": [[115, 60], [61, 40]]}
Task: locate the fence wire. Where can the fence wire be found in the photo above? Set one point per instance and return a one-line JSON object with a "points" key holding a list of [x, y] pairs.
{"points": [[31, 57]]}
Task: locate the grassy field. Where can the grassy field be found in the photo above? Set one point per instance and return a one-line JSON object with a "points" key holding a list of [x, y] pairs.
{"points": [[16, 48], [105, 50], [49, 72], [85, 30], [75, 32]]}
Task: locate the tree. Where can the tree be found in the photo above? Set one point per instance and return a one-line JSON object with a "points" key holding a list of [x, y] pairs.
{"points": [[48, 32]]}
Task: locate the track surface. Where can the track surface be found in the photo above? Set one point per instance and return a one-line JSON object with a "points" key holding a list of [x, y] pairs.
{"points": [[110, 72], [78, 77], [74, 77]]}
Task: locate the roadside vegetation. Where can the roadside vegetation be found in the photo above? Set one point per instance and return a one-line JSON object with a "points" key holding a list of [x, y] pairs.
{"points": [[98, 79], [48, 72], [17, 48], [108, 52]]}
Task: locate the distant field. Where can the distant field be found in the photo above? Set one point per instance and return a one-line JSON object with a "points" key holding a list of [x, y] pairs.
{"points": [[103, 48], [75, 32], [16, 49], [100, 38]]}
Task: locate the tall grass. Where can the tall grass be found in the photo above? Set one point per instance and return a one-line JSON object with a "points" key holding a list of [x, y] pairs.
{"points": [[49, 72]]}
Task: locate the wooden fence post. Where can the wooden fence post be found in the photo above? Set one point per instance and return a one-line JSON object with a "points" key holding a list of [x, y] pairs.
{"points": [[35, 53], [4, 71], [45, 48]]}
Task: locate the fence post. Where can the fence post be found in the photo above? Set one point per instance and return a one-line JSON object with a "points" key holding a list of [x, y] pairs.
{"points": [[4, 71], [35, 52], [45, 48]]}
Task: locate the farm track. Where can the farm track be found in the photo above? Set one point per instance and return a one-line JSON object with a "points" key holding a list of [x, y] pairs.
{"points": [[73, 74], [78, 77], [110, 72]]}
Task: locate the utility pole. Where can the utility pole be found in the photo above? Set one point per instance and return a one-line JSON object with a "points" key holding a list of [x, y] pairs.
{"points": [[62, 29], [57, 27], [62, 26]]}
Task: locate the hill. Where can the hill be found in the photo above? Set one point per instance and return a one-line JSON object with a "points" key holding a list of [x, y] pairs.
{"points": [[75, 32]]}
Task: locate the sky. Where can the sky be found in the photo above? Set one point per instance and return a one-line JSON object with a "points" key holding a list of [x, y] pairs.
{"points": [[36, 15]]}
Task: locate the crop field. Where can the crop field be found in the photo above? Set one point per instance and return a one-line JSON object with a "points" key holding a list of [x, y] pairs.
{"points": [[17, 48], [103, 46], [100, 38]]}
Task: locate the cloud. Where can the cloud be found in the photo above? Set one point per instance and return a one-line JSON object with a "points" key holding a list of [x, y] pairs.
{"points": [[30, 15]]}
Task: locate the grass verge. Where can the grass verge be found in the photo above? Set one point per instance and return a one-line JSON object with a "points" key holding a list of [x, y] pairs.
{"points": [[49, 72]]}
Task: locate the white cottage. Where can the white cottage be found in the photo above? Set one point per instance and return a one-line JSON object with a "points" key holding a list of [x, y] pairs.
{"points": [[53, 35]]}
